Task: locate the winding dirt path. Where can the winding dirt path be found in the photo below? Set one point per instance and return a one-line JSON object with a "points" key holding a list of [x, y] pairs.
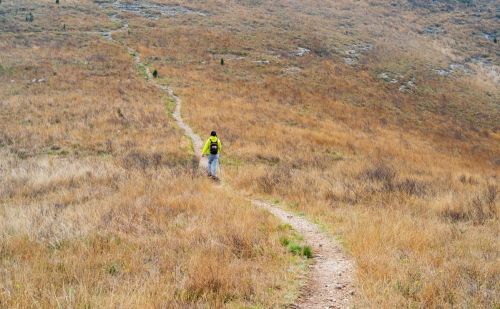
{"points": [[330, 278]]}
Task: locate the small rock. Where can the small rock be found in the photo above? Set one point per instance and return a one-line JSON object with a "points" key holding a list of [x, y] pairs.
{"points": [[350, 61], [302, 51], [264, 62]]}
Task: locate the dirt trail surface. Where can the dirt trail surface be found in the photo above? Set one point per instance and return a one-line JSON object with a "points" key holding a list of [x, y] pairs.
{"points": [[330, 279]]}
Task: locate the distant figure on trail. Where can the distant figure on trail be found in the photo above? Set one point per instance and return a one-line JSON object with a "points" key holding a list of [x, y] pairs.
{"points": [[212, 149]]}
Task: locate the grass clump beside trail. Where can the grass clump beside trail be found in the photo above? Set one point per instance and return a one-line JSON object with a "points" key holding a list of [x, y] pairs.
{"points": [[294, 244]]}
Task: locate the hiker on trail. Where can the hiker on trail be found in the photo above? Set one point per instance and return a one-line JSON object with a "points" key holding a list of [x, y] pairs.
{"points": [[212, 149]]}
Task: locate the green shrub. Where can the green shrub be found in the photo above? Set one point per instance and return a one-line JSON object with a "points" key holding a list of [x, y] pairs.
{"points": [[295, 248], [284, 241], [112, 269], [307, 252]]}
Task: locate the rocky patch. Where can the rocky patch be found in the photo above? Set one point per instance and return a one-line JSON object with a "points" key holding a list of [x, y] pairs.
{"points": [[408, 86], [392, 78], [389, 77], [355, 51], [150, 10], [451, 69], [490, 36], [292, 70], [302, 51], [433, 30]]}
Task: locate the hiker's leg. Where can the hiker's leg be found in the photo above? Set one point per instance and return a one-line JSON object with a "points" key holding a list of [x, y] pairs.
{"points": [[209, 166], [214, 165]]}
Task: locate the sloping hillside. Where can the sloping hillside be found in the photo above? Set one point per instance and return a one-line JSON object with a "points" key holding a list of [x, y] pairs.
{"points": [[377, 120]]}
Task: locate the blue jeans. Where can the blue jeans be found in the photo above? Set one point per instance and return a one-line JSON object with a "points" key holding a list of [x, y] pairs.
{"points": [[212, 164]]}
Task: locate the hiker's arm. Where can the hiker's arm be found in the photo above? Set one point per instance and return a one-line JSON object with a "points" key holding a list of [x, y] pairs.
{"points": [[205, 148], [220, 145]]}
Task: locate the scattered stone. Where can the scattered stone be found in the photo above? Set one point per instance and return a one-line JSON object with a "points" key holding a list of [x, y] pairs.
{"points": [[154, 10], [408, 86], [434, 30], [292, 70], [452, 68], [362, 47], [388, 77], [350, 61], [354, 51], [442, 72], [481, 59], [38, 81], [148, 10], [302, 51], [490, 36], [262, 62], [228, 57]]}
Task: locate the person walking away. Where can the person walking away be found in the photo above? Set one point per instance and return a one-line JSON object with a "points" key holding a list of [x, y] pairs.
{"points": [[212, 149]]}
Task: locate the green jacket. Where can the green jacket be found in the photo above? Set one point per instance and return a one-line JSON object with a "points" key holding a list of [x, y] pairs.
{"points": [[206, 148]]}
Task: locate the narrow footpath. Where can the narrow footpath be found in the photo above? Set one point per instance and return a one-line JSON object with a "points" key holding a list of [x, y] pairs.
{"points": [[330, 277]]}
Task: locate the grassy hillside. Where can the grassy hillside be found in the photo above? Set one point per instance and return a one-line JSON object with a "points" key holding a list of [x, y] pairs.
{"points": [[364, 132], [100, 202], [377, 120]]}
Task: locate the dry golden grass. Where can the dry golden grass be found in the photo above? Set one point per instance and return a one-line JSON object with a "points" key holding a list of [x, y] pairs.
{"points": [[100, 205], [408, 181], [155, 239]]}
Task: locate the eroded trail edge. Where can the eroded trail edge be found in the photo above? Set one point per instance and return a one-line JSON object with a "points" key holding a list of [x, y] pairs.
{"points": [[330, 277]]}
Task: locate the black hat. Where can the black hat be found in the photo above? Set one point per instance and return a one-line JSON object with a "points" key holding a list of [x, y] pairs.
{"points": [[213, 133]]}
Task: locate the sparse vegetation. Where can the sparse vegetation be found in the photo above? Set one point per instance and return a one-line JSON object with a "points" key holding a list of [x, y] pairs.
{"points": [[294, 244]]}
